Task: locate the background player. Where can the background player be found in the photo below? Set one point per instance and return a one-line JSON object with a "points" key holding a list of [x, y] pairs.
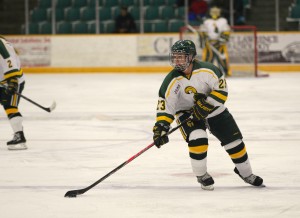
{"points": [[200, 89], [215, 33], [11, 81]]}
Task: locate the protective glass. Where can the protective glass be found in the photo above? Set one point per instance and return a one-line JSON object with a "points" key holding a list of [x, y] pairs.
{"points": [[179, 60]]}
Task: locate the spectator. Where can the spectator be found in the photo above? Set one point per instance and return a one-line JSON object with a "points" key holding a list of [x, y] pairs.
{"points": [[239, 11], [198, 10], [124, 23], [238, 7], [181, 3]]}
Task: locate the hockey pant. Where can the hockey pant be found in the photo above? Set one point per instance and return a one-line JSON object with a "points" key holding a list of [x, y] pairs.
{"points": [[225, 129], [222, 61], [10, 104]]}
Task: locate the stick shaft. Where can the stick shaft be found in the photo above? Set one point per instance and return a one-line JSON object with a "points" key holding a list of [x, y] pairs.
{"points": [[31, 101], [81, 191], [118, 167]]}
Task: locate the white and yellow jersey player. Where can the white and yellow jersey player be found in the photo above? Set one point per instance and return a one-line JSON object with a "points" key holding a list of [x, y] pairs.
{"points": [[12, 81], [215, 32], [199, 89]]}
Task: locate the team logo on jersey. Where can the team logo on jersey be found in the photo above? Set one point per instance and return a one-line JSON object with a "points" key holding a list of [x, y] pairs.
{"points": [[190, 90]]}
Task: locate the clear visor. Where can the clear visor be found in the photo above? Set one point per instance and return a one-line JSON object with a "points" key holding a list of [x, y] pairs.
{"points": [[179, 60]]}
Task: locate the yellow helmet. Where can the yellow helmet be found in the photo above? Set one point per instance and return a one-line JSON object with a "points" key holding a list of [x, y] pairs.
{"points": [[215, 12]]}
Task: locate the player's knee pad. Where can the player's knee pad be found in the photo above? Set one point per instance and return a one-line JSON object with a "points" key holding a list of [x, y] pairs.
{"points": [[197, 134], [190, 128]]}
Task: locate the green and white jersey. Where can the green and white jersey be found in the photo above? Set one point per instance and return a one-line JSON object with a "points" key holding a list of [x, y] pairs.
{"points": [[177, 91], [9, 62]]}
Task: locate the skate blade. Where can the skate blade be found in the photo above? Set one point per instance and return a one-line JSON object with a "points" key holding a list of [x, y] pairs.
{"points": [[208, 187], [21, 146]]}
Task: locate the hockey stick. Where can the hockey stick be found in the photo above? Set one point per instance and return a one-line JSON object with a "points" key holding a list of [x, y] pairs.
{"points": [[74, 193], [221, 56], [48, 109]]}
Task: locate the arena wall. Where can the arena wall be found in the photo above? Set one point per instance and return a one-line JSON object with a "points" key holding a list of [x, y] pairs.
{"points": [[140, 53]]}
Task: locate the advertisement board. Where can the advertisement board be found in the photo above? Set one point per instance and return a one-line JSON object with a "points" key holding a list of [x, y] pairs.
{"points": [[34, 51]]}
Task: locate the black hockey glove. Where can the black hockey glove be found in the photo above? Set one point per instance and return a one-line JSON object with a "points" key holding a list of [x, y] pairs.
{"points": [[198, 96], [202, 108], [159, 134], [12, 86]]}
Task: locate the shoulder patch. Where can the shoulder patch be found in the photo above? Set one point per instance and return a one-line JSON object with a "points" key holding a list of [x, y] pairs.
{"points": [[170, 78]]}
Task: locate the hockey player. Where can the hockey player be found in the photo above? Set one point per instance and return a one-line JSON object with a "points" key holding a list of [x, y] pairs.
{"points": [[199, 89], [215, 33], [11, 81]]}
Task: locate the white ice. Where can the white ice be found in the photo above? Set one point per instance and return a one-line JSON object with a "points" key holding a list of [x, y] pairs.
{"points": [[102, 120]]}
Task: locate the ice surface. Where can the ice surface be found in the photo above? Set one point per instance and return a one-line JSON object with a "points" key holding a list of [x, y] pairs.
{"points": [[102, 120]]}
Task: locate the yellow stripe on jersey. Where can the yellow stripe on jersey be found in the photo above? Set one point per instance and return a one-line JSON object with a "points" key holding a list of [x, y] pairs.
{"points": [[198, 149], [14, 73], [205, 71], [184, 135], [164, 118], [11, 111], [239, 154], [172, 84], [219, 95]]}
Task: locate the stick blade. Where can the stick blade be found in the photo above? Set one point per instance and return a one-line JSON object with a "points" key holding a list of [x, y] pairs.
{"points": [[52, 107], [71, 194]]}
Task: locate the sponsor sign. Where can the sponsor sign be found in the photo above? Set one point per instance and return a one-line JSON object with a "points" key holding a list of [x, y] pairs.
{"points": [[155, 48], [271, 47], [34, 51]]}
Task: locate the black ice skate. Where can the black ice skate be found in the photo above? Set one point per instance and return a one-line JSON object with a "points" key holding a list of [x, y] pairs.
{"points": [[252, 179], [18, 142], [206, 181]]}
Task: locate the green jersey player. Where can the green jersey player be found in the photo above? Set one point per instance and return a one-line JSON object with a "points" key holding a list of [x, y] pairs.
{"points": [[11, 81], [199, 89]]}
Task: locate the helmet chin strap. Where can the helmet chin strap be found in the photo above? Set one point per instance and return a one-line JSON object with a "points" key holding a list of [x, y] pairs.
{"points": [[190, 62]]}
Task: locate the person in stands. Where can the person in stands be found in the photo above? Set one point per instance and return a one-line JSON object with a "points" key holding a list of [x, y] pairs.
{"points": [[124, 22]]}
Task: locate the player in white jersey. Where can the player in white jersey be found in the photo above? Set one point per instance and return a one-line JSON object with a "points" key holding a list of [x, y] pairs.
{"points": [[215, 33], [11, 81], [199, 89]]}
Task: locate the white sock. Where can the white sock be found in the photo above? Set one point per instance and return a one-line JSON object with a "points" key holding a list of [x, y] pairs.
{"points": [[16, 123], [199, 166], [244, 168]]}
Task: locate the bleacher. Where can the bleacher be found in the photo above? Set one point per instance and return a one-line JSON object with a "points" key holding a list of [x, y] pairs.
{"points": [[294, 13], [79, 16]]}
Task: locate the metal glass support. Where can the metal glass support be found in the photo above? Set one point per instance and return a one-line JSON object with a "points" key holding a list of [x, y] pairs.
{"points": [[97, 22], [26, 17], [53, 17]]}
